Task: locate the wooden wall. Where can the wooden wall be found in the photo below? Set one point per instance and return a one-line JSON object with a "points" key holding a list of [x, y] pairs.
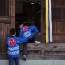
{"points": [[58, 20], [7, 21]]}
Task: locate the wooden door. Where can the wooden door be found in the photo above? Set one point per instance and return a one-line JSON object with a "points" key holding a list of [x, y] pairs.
{"points": [[58, 15], [7, 21]]}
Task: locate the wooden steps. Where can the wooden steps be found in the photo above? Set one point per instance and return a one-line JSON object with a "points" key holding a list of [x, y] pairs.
{"points": [[48, 49]]}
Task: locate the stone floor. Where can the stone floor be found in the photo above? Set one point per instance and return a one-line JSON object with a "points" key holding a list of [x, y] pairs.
{"points": [[36, 62], [48, 57]]}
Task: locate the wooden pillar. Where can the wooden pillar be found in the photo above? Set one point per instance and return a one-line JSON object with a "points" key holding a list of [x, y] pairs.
{"points": [[12, 5], [42, 39]]}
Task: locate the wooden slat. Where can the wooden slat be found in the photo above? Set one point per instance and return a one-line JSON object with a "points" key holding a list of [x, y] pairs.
{"points": [[4, 19], [12, 13], [42, 22], [0, 37]]}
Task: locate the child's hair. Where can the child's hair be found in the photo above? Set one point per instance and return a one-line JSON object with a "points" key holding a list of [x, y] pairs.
{"points": [[25, 23], [12, 31], [20, 22]]}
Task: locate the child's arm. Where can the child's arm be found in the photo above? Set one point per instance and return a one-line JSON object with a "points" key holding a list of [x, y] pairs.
{"points": [[21, 33], [34, 28], [21, 40]]}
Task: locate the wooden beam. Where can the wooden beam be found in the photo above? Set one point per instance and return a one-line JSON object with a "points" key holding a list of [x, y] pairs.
{"points": [[42, 22], [12, 2]]}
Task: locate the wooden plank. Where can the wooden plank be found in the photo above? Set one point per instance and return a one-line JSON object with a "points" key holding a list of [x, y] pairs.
{"points": [[4, 8], [47, 47], [12, 13], [0, 38], [4, 20], [2, 46], [42, 22]]}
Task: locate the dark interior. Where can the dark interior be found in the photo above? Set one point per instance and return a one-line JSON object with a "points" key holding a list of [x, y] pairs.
{"points": [[27, 12]]}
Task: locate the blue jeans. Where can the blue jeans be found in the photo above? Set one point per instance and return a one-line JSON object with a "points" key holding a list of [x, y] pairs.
{"points": [[12, 60]]}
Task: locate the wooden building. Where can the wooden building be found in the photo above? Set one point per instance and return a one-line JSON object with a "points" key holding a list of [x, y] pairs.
{"points": [[13, 10]]}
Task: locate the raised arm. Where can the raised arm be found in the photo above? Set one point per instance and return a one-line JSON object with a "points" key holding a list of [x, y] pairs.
{"points": [[34, 28], [21, 40], [21, 33]]}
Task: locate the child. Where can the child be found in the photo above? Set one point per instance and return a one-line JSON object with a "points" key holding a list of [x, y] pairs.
{"points": [[28, 32], [13, 47]]}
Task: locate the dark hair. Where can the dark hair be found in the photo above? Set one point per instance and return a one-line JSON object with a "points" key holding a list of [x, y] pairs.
{"points": [[25, 23], [12, 31], [20, 23]]}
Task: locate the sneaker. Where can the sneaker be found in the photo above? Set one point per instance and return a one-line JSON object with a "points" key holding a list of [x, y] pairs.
{"points": [[37, 42], [24, 57]]}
